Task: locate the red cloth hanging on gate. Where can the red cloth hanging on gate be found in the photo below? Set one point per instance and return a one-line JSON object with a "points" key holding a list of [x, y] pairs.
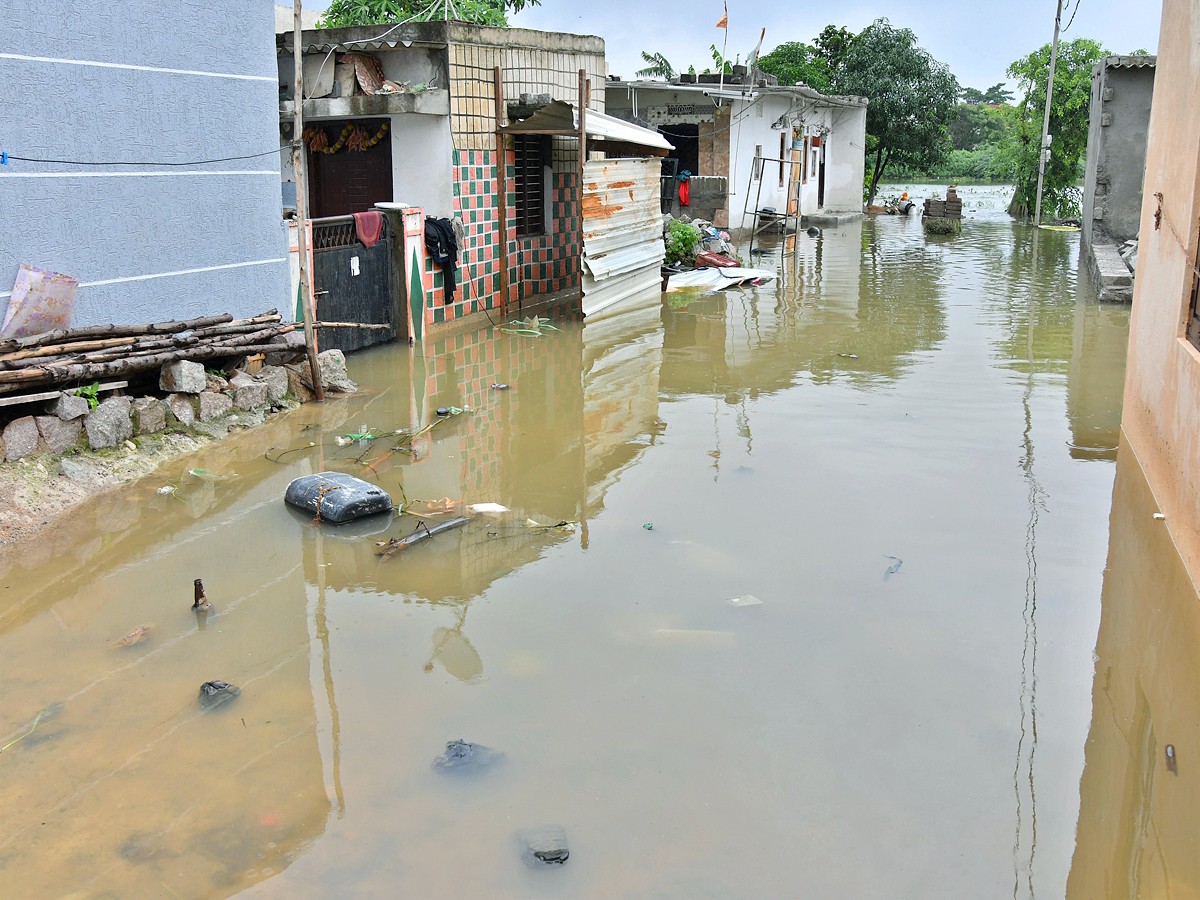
{"points": [[685, 192], [369, 226]]}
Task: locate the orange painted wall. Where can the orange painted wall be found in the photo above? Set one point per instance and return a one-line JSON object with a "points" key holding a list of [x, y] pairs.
{"points": [[1161, 415]]}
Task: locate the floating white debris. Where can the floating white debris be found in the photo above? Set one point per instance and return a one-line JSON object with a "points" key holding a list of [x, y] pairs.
{"points": [[488, 508], [745, 600], [714, 277], [166, 489]]}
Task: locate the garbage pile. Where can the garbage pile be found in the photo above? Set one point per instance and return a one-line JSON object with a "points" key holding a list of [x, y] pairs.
{"points": [[699, 255]]}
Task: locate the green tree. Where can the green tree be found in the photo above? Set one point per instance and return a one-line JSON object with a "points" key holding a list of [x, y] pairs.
{"points": [[974, 126], [912, 98], [659, 67], [997, 95], [797, 63], [831, 45], [1069, 109], [345, 13]]}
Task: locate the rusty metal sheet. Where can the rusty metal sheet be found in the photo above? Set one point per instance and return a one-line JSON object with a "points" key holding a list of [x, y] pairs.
{"points": [[622, 231]]}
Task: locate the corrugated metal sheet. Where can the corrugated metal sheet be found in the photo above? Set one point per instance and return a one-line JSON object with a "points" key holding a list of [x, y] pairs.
{"points": [[622, 231], [1129, 62], [561, 117]]}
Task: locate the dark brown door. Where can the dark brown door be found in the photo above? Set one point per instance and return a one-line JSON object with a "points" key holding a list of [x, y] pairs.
{"points": [[350, 181]]}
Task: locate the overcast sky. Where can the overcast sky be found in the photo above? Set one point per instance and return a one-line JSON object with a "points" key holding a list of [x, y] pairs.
{"points": [[976, 40]]}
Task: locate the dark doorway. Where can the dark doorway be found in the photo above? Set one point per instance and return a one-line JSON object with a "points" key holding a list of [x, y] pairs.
{"points": [[686, 139], [350, 181], [821, 179]]}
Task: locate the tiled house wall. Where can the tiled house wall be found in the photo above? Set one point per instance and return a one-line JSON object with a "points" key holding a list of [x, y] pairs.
{"points": [[532, 62]]}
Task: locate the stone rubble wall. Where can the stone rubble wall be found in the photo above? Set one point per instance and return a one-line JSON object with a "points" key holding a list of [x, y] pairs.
{"points": [[189, 398]]}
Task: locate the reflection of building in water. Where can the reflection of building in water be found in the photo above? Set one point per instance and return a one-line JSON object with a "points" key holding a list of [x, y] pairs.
{"points": [[130, 788], [1138, 820], [842, 307], [1096, 374], [580, 405]]}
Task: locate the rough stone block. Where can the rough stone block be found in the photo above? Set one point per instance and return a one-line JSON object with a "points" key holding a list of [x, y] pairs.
{"points": [[20, 438], [77, 470], [241, 379], [183, 377], [1108, 267], [149, 415], [250, 396], [291, 348], [213, 406], [183, 408], [215, 383], [298, 383], [59, 435], [334, 377], [69, 406], [109, 424], [276, 380]]}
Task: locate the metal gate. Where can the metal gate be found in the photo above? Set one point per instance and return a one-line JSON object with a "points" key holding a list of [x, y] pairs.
{"points": [[353, 285]]}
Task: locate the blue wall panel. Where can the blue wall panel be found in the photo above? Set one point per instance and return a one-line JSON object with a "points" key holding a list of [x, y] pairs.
{"points": [[124, 223]]}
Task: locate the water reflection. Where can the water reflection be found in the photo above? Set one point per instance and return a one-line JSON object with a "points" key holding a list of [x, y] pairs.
{"points": [[1139, 825], [848, 305], [872, 445], [133, 788]]}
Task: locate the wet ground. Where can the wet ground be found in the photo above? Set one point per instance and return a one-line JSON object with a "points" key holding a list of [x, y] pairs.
{"points": [[905, 448]]}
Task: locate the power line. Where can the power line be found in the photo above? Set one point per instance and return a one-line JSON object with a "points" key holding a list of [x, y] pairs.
{"points": [[194, 162]]}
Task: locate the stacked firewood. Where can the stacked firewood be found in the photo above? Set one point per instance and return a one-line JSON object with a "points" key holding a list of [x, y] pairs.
{"points": [[79, 355]]}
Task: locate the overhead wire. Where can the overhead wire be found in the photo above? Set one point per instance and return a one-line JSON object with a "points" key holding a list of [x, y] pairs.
{"points": [[1072, 19], [193, 162]]}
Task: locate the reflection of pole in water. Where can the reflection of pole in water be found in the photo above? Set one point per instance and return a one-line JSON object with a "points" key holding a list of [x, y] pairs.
{"points": [[1027, 742], [321, 622]]}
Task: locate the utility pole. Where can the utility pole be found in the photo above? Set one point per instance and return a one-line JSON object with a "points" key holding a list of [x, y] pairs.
{"points": [[1044, 146], [302, 205]]}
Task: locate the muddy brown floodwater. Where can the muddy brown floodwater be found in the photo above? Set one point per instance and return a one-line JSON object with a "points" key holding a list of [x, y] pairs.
{"points": [[904, 447]]}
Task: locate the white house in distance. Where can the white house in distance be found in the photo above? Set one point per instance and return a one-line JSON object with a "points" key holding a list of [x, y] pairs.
{"points": [[751, 144]]}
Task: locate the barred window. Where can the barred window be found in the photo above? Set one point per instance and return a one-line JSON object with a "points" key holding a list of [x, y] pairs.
{"points": [[532, 157]]}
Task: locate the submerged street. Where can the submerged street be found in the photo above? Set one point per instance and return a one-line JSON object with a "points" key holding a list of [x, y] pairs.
{"points": [[905, 447]]}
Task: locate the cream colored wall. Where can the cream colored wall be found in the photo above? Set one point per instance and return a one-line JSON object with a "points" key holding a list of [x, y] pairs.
{"points": [[1161, 415]]}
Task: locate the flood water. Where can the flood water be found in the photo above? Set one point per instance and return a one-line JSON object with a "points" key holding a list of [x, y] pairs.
{"points": [[904, 447]]}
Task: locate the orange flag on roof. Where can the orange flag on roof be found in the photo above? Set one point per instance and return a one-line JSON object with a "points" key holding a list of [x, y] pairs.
{"points": [[723, 22]]}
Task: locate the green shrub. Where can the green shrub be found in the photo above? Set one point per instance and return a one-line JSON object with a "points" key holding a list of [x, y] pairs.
{"points": [[682, 240]]}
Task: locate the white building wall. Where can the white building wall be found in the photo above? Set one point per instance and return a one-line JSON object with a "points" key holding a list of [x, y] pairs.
{"points": [[846, 159], [843, 131], [422, 174]]}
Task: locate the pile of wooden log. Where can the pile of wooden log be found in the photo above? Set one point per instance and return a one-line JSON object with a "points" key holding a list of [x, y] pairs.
{"points": [[81, 355]]}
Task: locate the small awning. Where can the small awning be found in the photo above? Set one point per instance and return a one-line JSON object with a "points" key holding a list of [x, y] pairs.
{"points": [[559, 117]]}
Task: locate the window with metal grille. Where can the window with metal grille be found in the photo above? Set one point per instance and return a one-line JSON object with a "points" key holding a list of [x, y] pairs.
{"points": [[531, 184]]}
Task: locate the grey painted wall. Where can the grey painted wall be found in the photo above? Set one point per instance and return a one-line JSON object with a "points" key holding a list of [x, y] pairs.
{"points": [[137, 81], [1118, 129]]}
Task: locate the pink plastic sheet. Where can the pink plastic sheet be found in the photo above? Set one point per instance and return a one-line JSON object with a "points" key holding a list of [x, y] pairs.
{"points": [[41, 301]]}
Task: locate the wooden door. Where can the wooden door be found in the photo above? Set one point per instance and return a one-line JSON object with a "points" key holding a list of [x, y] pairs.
{"points": [[350, 181]]}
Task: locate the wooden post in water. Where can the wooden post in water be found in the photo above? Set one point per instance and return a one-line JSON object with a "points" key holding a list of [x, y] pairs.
{"points": [[583, 102], [310, 338], [501, 189]]}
